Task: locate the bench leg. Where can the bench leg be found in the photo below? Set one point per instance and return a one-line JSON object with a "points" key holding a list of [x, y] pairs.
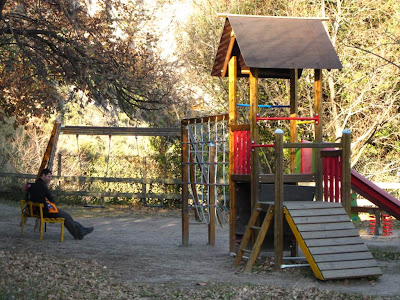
{"points": [[41, 230], [62, 231]]}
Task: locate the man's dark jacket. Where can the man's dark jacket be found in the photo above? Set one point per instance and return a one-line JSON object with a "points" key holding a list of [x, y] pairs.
{"points": [[38, 193]]}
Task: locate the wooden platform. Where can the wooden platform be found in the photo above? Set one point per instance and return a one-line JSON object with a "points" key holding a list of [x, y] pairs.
{"points": [[329, 240]]}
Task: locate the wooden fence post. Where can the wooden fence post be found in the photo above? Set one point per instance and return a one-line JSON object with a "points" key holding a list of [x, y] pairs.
{"points": [[346, 171], [185, 186], [144, 189], [211, 196], [278, 217]]}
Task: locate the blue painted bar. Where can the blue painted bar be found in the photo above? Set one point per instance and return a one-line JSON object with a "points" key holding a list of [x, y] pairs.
{"points": [[264, 105]]}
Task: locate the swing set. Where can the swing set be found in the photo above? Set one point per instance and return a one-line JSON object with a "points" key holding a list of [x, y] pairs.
{"points": [[144, 195]]}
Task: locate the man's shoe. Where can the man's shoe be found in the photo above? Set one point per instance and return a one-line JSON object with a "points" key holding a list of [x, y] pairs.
{"points": [[88, 230]]}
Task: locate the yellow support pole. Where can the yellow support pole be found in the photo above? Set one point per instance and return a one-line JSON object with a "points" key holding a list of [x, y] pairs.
{"points": [[232, 121]]}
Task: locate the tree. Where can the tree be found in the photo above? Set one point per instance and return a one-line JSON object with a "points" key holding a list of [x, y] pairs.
{"points": [[364, 96], [99, 50]]}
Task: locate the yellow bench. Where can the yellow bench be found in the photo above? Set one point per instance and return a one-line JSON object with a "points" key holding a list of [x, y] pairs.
{"points": [[27, 212]]}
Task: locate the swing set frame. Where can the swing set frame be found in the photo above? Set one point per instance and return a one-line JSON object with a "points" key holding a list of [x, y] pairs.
{"points": [[58, 128]]}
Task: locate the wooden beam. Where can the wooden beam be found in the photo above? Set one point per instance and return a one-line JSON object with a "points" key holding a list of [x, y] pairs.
{"points": [[116, 194], [312, 145], [240, 127], [228, 54], [346, 171], [48, 156], [216, 118], [211, 196], [254, 136], [125, 131], [232, 124], [278, 203], [185, 186], [293, 113], [318, 133], [270, 178]]}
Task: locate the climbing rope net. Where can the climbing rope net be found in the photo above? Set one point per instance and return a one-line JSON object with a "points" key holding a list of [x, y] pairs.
{"points": [[206, 136]]}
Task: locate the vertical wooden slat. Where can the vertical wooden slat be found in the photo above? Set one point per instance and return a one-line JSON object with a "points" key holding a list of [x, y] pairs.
{"points": [[339, 182], [248, 152], [332, 178], [325, 177], [346, 171], [232, 151], [318, 133], [211, 195], [278, 203], [185, 186], [241, 152], [254, 136], [293, 113], [336, 194]]}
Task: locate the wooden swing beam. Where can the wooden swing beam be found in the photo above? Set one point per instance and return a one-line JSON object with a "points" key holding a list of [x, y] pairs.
{"points": [[124, 131]]}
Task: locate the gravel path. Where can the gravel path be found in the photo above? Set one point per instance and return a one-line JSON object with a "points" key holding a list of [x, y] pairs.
{"points": [[146, 248]]}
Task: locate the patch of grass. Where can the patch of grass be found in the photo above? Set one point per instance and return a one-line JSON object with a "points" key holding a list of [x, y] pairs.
{"points": [[386, 253]]}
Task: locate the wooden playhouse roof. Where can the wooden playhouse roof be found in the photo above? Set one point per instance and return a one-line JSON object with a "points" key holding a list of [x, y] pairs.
{"points": [[274, 45]]}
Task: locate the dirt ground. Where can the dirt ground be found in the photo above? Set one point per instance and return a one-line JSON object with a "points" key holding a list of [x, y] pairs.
{"points": [[145, 247]]}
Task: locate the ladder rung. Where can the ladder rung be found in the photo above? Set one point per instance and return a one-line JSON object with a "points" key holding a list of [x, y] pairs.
{"points": [[255, 227], [246, 250]]}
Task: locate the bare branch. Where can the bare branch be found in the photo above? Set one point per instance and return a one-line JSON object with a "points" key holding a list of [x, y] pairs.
{"points": [[370, 52]]}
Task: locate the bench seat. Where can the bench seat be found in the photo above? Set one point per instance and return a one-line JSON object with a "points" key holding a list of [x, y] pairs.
{"points": [[27, 211]]}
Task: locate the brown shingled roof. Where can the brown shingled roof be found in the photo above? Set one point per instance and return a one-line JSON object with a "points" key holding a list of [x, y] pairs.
{"points": [[275, 45]]}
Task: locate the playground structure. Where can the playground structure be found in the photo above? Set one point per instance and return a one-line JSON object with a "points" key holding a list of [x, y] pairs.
{"points": [[204, 171], [277, 47], [50, 153]]}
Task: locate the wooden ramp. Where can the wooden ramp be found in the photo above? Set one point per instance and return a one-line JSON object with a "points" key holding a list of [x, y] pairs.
{"points": [[329, 241]]}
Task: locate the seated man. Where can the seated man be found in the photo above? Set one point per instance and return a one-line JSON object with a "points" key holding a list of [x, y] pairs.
{"points": [[39, 192]]}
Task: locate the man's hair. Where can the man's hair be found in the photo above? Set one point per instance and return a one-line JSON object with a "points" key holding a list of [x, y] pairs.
{"points": [[45, 171]]}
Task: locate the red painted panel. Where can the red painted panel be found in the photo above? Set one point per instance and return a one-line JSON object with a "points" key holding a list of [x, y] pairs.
{"points": [[241, 154]]}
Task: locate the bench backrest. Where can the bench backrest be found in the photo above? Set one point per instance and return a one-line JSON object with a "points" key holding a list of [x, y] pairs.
{"points": [[29, 208]]}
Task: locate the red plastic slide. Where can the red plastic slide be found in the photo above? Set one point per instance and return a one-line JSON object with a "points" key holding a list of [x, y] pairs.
{"points": [[375, 194]]}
